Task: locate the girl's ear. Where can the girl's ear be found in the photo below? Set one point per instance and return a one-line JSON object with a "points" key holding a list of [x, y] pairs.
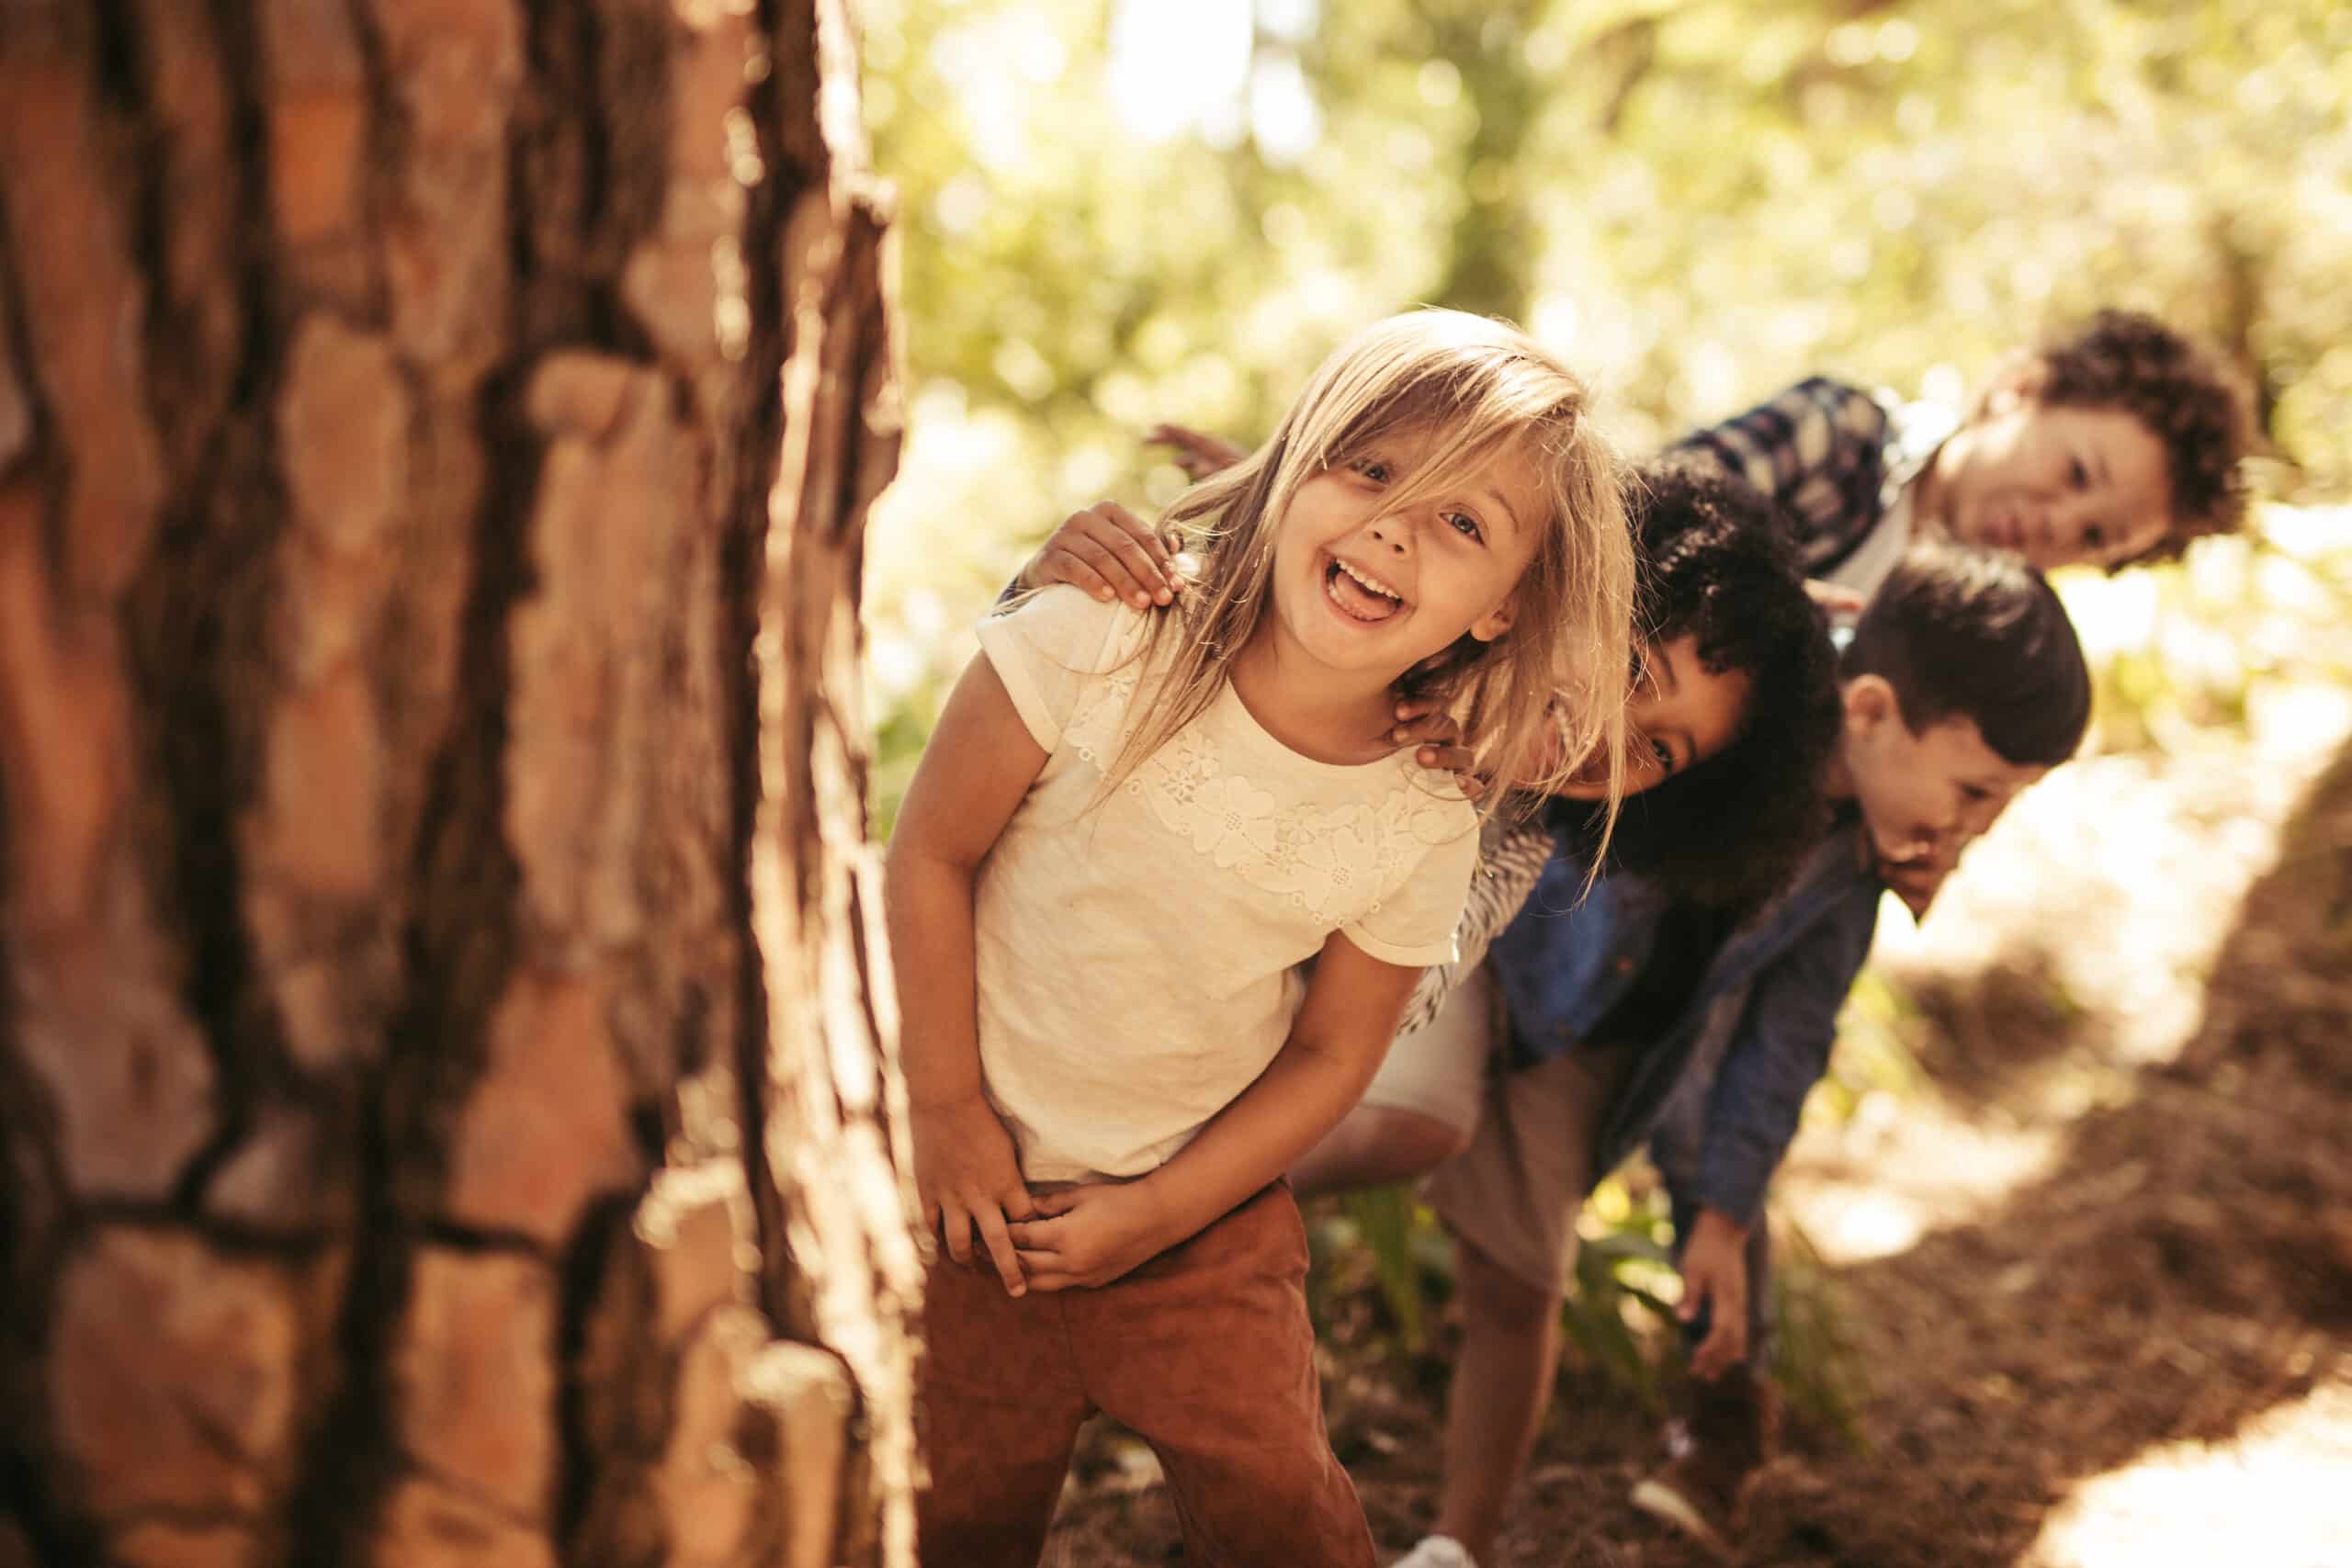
{"points": [[1496, 622]]}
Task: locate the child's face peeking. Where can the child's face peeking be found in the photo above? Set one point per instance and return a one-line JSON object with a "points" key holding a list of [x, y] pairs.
{"points": [[1678, 712], [1921, 790], [1362, 587], [2061, 485]]}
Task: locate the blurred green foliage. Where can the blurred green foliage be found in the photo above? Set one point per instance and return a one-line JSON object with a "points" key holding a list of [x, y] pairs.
{"points": [[1116, 212], [1119, 211]]}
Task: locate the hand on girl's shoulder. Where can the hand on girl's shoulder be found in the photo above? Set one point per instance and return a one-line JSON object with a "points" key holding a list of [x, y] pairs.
{"points": [[1109, 552]]}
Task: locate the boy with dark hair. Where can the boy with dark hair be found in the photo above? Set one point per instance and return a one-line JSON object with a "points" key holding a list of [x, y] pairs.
{"points": [[1964, 684]]}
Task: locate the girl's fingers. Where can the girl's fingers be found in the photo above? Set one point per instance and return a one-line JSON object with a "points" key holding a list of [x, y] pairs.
{"points": [[1047, 1270], [955, 1230], [1001, 1250]]}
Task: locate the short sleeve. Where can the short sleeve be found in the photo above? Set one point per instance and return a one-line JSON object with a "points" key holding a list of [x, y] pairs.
{"points": [[1050, 646], [1510, 859], [1415, 925]]}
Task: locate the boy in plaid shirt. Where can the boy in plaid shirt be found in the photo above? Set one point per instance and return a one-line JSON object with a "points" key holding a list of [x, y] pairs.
{"points": [[2114, 444]]}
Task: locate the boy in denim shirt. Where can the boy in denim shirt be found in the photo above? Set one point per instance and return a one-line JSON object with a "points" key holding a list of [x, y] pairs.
{"points": [[1964, 683]]}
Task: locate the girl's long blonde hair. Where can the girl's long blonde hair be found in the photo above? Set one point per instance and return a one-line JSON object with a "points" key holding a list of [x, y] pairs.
{"points": [[1480, 389]]}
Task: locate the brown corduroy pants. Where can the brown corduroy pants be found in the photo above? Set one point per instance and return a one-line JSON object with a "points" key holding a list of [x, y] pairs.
{"points": [[1206, 1351]]}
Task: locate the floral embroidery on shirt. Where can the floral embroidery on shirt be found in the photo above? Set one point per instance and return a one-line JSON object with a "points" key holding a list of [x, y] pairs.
{"points": [[1231, 820], [1336, 863]]}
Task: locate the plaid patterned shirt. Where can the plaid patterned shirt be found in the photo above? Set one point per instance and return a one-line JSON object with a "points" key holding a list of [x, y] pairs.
{"points": [[1836, 456]]}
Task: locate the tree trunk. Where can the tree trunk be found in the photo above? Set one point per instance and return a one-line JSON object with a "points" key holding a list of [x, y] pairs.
{"points": [[445, 1112]]}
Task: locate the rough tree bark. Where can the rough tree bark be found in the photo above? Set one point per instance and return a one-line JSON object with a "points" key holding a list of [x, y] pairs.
{"points": [[442, 1113]]}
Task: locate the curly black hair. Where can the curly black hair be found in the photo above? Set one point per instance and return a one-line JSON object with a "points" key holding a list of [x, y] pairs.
{"points": [[1719, 564], [2123, 359]]}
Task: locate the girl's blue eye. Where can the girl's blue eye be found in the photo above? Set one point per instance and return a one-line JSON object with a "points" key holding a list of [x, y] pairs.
{"points": [[1464, 525], [1664, 753], [1373, 469]]}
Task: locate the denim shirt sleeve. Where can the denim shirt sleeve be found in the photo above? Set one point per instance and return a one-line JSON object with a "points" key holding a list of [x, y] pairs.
{"points": [[1571, 953], [1778, 1051]]}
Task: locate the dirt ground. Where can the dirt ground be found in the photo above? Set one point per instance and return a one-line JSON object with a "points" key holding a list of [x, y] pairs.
{"points": [[2094, 1264]]}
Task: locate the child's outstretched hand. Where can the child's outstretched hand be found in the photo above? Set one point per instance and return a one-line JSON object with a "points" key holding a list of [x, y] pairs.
{"points": [[967, 1174], [1198, 454], [1091, 1235]]}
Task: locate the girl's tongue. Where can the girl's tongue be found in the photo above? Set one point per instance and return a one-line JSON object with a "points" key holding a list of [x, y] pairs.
{"points": [[1354, 598]]}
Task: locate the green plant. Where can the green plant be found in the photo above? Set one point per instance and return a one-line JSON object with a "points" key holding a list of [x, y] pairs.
{"points": [[1620, 1317], [1815, 1360]]}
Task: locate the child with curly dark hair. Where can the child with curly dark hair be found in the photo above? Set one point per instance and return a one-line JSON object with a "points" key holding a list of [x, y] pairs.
{"points": [[2113, 444], [1727, 831]]}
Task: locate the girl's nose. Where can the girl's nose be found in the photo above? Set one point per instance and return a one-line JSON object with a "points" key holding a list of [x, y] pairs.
{"points": [[1390, 531]]}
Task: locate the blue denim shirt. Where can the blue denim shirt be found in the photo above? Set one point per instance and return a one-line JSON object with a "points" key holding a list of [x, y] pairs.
{"points": [[1562, 966]]}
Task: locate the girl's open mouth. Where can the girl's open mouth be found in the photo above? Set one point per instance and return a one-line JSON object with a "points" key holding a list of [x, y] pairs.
{"points": [[1359, 595]]}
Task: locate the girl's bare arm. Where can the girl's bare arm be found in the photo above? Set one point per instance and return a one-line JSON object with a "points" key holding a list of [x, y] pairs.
{"points": [[1093, 1234], [979, 763]]}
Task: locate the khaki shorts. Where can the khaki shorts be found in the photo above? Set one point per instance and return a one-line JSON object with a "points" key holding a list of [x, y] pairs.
{"points": [[1440, 1069], [1515, 1192]]}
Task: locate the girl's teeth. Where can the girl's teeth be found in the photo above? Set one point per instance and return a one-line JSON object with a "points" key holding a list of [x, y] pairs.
{"points": [[1354, 599], [1370, 586]]}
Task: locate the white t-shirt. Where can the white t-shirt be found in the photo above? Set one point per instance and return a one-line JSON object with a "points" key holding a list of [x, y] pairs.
{"points": [[1137, 951]]}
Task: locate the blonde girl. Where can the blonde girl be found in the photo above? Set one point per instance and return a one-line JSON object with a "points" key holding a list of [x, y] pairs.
{"points": [[1126, 836]]}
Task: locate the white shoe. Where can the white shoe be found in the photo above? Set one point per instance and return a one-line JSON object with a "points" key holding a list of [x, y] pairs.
{"points": [[1437, 1551]]}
